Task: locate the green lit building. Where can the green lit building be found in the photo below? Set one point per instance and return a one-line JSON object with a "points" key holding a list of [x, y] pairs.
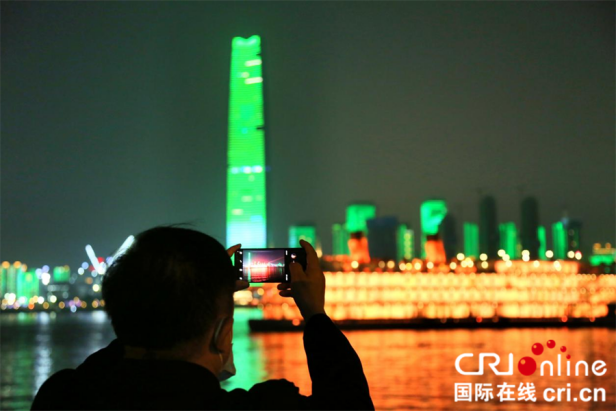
{"points": [[340, 240], [471, 240], [357, 215], [509, 239], [405, 242], [27, 285], [432, 213], [302, 232], [542, 242], [246, 190], [559, 240], [61, 274]]}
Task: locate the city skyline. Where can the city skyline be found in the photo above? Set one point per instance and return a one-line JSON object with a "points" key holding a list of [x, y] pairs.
{"points": [[109, 141]]}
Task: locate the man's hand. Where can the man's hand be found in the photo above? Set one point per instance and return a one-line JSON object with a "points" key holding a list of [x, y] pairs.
{"points": [[306, 287], [239, 285]]}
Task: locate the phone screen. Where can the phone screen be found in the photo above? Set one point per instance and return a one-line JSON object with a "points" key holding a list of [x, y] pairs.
{"points": [[267, 265]]}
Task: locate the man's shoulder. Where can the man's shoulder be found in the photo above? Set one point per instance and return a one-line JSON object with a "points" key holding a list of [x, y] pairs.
{"points": [[52, 393]]}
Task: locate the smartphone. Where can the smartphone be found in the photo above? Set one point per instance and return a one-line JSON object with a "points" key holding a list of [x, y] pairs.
{"points": [[267, 265]]}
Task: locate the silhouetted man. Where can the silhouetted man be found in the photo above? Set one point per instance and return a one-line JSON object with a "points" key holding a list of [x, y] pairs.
{"points": [[170, 300]]}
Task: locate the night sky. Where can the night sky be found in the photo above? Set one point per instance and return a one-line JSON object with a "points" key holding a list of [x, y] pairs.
{"points": [[114, 115]]}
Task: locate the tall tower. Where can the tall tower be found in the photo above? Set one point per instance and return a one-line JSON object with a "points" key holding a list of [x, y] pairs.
{"points": [[488, 227], [530, 227], [246, 195]]}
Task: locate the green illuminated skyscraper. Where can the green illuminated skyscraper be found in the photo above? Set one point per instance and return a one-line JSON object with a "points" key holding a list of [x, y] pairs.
{"points": [[471, 240], [246, 195], [509, 239], [542, 242], [405, 242], [340, 240], [559, 240]]}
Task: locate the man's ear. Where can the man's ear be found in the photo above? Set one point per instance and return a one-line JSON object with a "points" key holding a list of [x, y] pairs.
{"points": [[223, 343]]}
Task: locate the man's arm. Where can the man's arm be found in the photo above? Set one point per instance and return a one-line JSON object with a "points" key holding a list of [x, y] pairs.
{"points": [[338, 379]]}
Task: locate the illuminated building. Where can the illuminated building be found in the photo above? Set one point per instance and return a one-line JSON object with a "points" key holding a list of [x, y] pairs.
{"points": [[603, 255], [340, 240], [530, 224], [9, 278], [405, 242], [432, 213], [302, 232], [27, 285], [61, 274], [357, 215], [382, 238], [358, 247], [573, 227], [488, 228], [509, 239], [471, 240], [246, 194], [4, 274], [542, 242], [559, 240], [448, 234]]}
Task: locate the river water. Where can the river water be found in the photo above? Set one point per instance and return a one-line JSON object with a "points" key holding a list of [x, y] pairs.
{"points": [[406, 369]]}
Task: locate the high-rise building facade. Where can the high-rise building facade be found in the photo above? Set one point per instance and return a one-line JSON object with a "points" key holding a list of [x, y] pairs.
{"points": [[382, 237], [542, 242], [246, 190], [488, 227], [471, 240], [530, 225], [559, 240], [340, 239], [509, 239], [574, 241], [357, 215], [432, 213], [302, 232], [406, 242]]}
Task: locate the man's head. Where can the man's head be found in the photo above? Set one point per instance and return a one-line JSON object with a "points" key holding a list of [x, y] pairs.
{"points": [[173, 286]]}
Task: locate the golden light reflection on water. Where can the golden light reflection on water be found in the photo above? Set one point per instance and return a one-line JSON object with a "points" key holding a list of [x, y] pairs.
{"points": [[405, 368]]}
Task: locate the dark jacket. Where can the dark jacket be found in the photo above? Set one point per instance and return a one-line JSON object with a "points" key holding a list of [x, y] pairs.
{"points": [[106, 380]]}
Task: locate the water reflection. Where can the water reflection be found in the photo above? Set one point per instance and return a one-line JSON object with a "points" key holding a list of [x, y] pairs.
{"points": [[405, 368]]}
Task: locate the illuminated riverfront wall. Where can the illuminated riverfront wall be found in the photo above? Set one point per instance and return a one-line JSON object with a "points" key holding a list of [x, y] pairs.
{"points": [[556, 293], [246, 195]]}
